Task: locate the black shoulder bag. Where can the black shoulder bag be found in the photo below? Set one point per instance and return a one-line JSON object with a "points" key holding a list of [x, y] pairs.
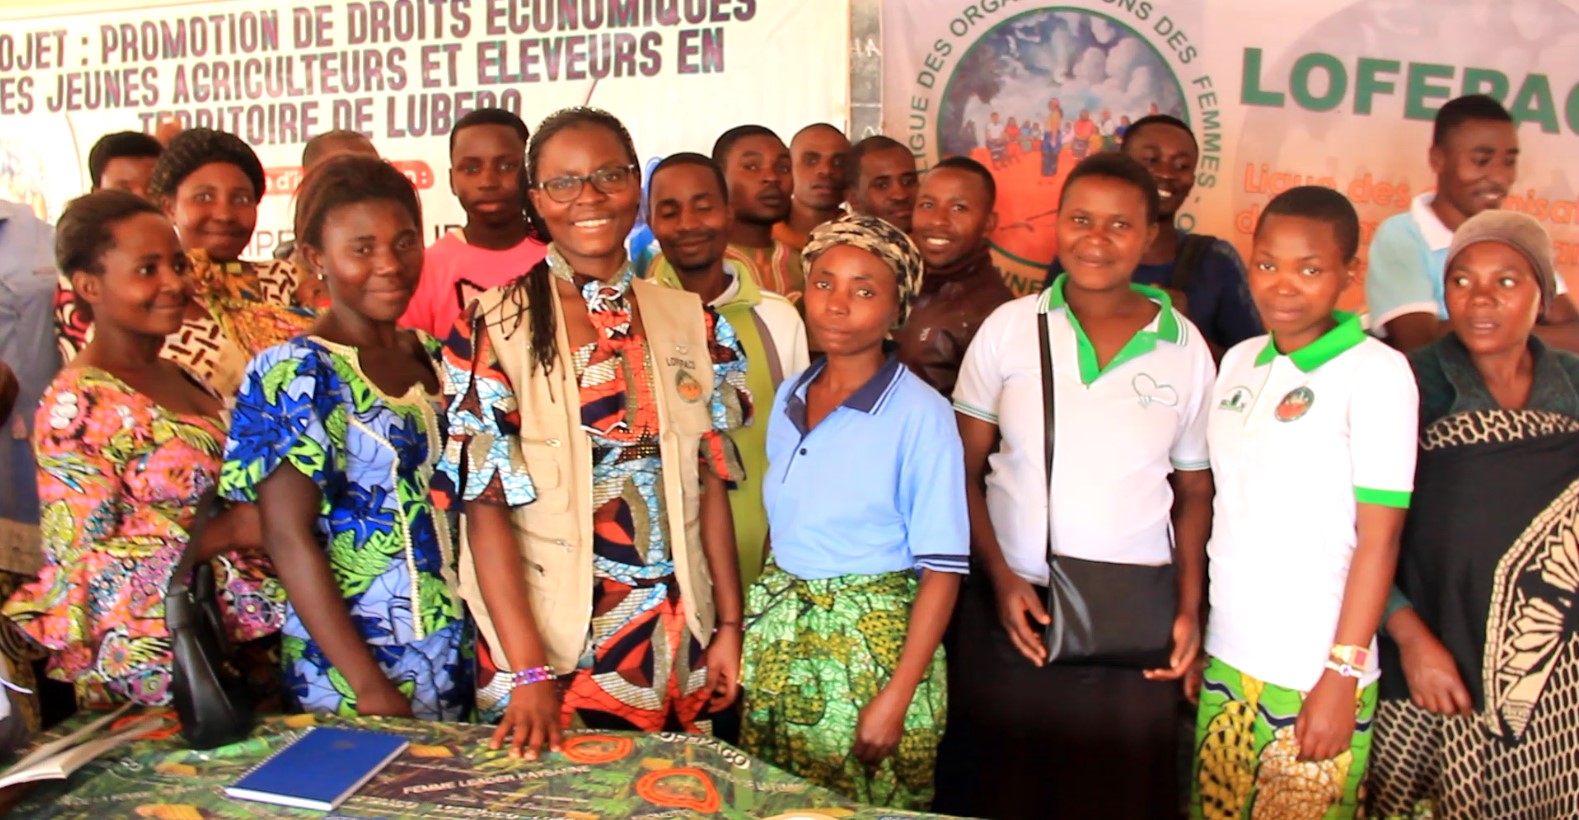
{"points": [[1102, 613], [207, 692]]}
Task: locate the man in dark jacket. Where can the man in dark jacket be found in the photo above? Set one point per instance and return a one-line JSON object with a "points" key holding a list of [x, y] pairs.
{"points": [[961, 286]]}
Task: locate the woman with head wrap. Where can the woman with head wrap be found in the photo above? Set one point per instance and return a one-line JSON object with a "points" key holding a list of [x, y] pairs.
{"points": [[209, 183], [865, 496], [1480, 668]]}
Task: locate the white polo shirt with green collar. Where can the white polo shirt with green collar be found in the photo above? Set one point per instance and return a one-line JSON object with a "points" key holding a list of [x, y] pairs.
{"points": [[1298, 442], [1120, 431]]}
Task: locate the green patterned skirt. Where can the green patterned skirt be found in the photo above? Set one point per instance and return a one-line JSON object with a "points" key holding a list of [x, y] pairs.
{"points": [[1246, 762], [816, 652]]}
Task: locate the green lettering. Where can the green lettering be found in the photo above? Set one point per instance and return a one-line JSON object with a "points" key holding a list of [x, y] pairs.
{"points": [[1337, 82], [1534, 103], [1571, 109], [1367, 84], [1488, 81], [1211, 131], [1418, 90], [1253, 93]]}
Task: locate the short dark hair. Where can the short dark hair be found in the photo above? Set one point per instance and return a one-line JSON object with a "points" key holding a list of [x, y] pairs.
{"points": [[316, 145], [86, 228], [490, 116], [858, 152], [196, 147], [726, 141], [131, 144], [971, 166], [1111, 165], [694, 159], [1157, 119], [346, 180], [818, 126], [1323, 205], [1457, 111]]}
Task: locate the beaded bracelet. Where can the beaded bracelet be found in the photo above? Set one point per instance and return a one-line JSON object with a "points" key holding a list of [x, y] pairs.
{"points": [[527, 677]]}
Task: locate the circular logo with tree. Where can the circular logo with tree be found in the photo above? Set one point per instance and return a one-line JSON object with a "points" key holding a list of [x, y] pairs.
{"points": [[1036, 94]]}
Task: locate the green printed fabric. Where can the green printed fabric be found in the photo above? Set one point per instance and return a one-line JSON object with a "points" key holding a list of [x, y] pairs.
{"points": [[449, 771], [815, 653], [1247, 764]]}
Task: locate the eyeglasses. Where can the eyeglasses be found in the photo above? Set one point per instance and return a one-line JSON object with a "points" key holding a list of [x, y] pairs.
{"points": [[606, 180]]}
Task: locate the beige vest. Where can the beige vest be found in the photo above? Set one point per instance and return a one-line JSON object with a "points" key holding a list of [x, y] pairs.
{"points": [[554, 532]]}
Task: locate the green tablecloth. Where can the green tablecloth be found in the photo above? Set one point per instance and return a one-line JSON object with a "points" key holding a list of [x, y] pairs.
{"points": [[449, 772]]}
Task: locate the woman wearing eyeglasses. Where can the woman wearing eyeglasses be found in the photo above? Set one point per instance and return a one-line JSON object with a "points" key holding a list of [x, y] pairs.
{"points": [[587, 454]]}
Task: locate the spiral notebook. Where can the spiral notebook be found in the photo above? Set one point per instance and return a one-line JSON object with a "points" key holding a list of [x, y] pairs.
{"points": [[320, 769]]}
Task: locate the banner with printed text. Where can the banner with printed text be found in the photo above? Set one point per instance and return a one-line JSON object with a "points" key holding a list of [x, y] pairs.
{"points": [[1328, 92], [678, 72]]}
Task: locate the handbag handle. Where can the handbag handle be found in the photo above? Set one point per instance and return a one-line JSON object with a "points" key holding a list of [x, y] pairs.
{"points": [[1047, 422], [177, 611]]}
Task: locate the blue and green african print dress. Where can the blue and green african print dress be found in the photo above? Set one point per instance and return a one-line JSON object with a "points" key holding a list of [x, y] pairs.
{"points": [[307, 403]]}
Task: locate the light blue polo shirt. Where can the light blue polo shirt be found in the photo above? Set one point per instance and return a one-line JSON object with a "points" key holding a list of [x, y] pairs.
{"points": [[1407, 265], [877, 486]]}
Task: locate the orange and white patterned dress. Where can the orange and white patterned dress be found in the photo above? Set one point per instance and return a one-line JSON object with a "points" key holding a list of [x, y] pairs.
{"points": [[119, 478]]}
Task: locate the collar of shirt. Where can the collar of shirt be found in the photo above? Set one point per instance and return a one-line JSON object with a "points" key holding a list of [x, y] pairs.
{"points": [[1348, 333], [740, 290], [1437, 236], [1165, 327], [868, 398], [598, 294], [1550, 389], [968, 267]]}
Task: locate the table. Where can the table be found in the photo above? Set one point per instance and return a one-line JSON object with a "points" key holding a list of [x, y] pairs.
{"points": [[449, 772]]}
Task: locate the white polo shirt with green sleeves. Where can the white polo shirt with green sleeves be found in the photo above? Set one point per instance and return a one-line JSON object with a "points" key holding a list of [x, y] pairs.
{"points": [[1120, 431], [1297, 442]]}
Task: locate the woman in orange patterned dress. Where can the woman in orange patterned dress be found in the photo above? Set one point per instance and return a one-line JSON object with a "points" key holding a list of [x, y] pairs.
{"points": [[128, 442]]}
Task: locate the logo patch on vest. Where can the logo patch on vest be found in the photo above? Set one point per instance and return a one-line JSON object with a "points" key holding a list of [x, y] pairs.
{"points": [[1295, 404], [687, 386]]}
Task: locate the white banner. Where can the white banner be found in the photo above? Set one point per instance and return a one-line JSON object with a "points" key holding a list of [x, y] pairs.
{"points": [[678, 72]]}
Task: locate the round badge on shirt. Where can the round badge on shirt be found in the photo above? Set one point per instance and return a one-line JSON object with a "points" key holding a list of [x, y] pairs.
{"points": [[1295, 404]]}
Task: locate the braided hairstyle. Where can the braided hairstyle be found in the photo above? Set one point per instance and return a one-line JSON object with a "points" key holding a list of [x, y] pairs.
{"points": [[196, 147], [538, 285]]}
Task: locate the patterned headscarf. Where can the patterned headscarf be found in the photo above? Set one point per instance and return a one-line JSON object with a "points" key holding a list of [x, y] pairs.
{"points": [[878, 238]]}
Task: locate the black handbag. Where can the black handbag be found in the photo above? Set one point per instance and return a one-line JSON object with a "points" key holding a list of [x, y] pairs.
{"points": [[207, 692], [1102, 613]]}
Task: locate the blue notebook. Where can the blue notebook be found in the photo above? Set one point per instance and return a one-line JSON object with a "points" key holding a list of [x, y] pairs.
{"points": [[320, 769]]}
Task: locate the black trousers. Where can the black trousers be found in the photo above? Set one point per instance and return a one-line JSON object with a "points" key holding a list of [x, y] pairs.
{"points": [[1050, 742]]}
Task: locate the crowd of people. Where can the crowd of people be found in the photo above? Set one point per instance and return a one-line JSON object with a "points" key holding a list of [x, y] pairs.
{"points": [[806, 475]]}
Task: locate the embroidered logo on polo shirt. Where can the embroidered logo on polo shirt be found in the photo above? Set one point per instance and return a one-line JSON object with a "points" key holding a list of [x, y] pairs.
{"points": [[1295, 404], [1150, 392], [1238, 400], [687, 386]]}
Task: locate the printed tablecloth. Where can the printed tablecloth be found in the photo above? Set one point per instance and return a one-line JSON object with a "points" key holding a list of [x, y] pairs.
{"points": [[448, 771]]}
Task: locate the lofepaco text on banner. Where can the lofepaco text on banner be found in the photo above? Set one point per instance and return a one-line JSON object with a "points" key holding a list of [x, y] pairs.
{"points": [[1323, 92]]}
